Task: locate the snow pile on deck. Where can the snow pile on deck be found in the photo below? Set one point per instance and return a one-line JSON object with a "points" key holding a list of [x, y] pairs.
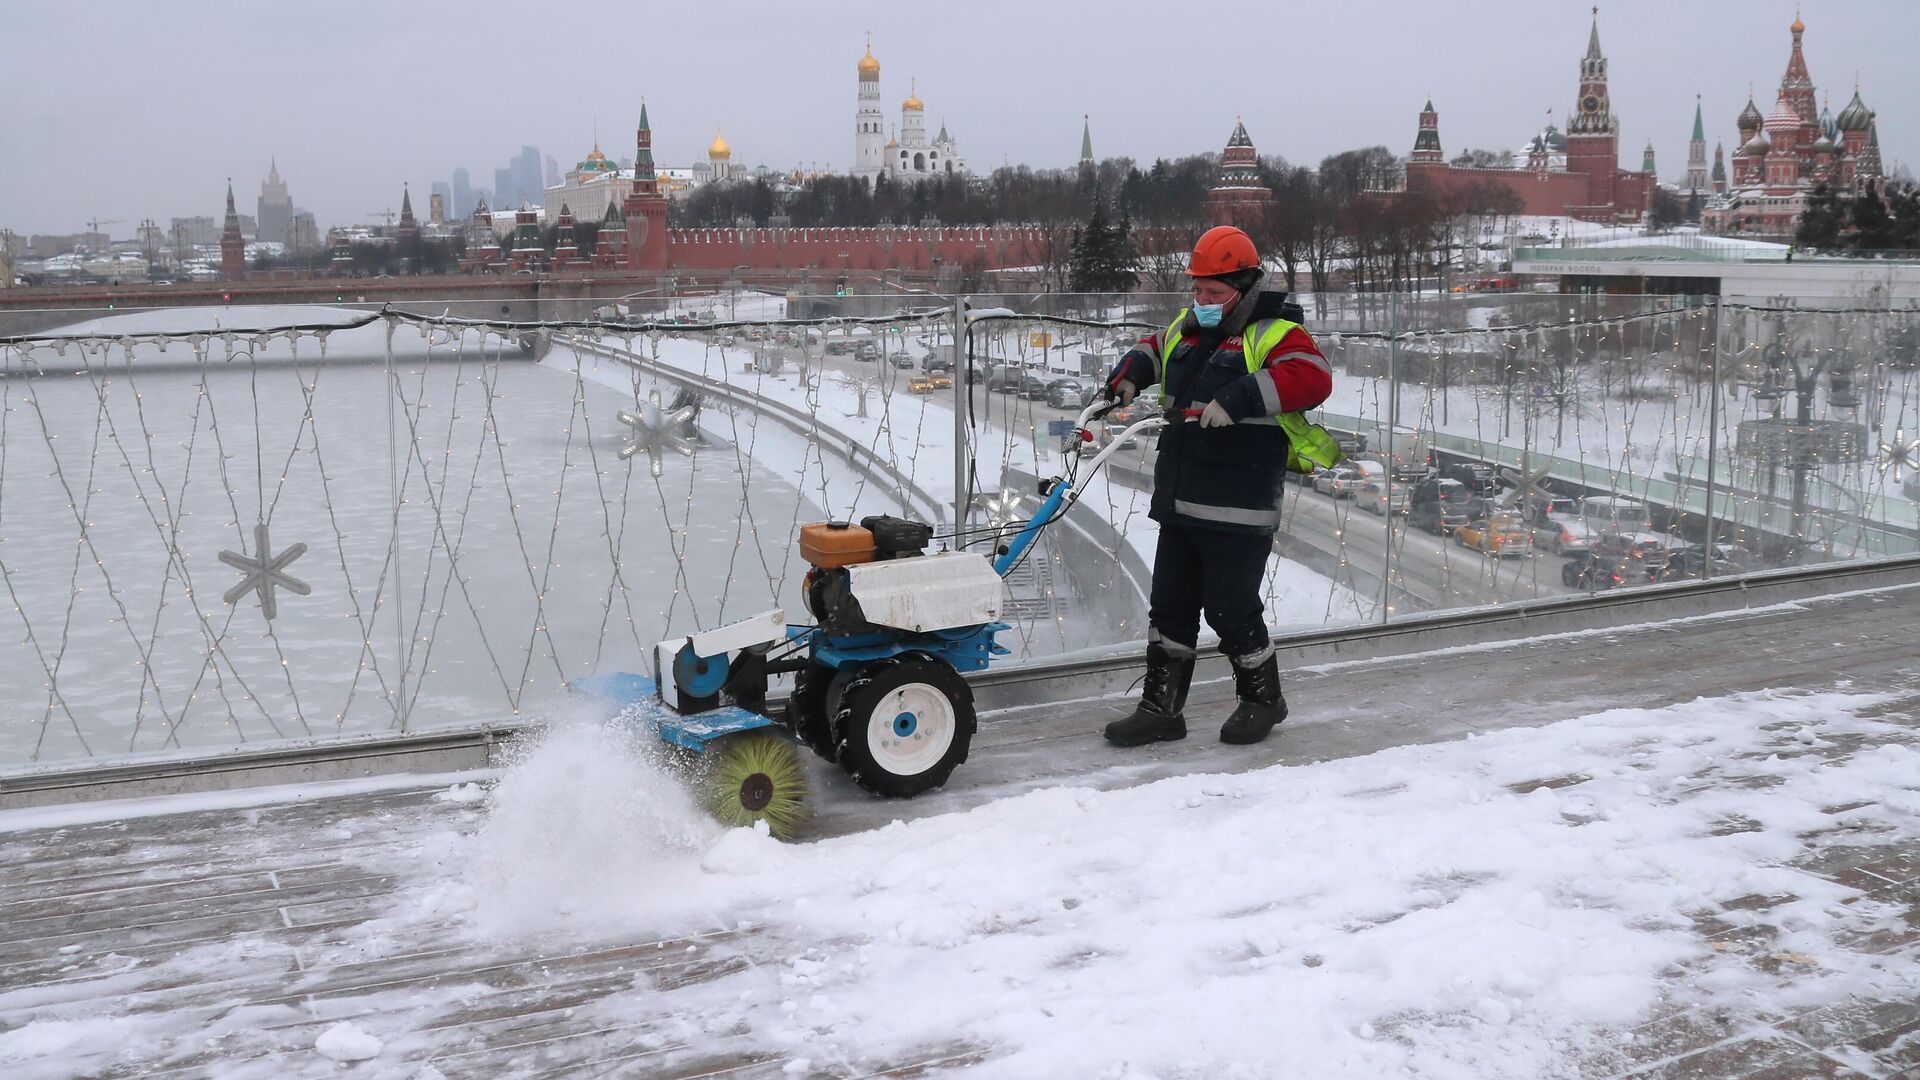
{"points": [[1501, 906]]}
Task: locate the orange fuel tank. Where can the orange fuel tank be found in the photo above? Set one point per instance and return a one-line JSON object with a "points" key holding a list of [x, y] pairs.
{"points": [[832, 544]]}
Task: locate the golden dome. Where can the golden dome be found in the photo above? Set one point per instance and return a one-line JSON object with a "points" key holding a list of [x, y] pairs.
{"points": [[868, 65], [596, 155], [719, 151], [913, 99], [1798, 27]]}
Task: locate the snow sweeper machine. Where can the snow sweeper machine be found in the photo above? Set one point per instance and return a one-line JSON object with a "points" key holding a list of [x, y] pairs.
{"points": [[878, 675]]}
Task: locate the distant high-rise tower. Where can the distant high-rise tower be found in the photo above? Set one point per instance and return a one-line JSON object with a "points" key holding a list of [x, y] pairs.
{"points": [[1697, 179], [233, 246], [527, 180], [274, 210], [869, 140], [462, 194]]}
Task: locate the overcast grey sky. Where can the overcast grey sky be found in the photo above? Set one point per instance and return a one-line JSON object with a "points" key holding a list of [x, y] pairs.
{"points": [[138, 108]]}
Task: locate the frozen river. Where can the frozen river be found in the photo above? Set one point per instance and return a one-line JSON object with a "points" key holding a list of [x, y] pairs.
{"points": [[473, 539]]}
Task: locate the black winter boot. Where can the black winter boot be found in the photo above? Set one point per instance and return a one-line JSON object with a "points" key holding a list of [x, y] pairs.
{"points": [[1158, 716], [1260, 706]]}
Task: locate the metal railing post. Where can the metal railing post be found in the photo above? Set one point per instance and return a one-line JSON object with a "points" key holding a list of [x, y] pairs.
{"points": [[1391, 435], [393, 494], [1713, 439], [962, 372]]}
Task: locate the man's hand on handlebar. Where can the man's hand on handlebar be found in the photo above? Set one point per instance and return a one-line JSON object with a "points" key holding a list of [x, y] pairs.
{"points": [[1122, 392]]}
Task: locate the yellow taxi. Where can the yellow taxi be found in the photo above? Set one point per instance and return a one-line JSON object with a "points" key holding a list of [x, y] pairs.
{"points": [[1497, 534]]}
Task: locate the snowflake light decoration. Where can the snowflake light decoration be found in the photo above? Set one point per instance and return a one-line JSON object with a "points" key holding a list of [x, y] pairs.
{"points": [[1900, 456], [1525, 481], [1002, 509], [656, 430], [264, 571]]}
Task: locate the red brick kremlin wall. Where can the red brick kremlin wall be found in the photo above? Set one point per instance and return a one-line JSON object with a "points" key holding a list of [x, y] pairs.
{"points": [[983, 247], [1543, 193]]}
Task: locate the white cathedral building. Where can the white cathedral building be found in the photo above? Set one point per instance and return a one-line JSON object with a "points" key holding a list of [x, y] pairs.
{"points": [[907, 155]]}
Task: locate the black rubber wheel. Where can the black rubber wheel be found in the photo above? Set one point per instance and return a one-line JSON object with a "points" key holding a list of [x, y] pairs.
{"points": [[901, 725], [807, 709]]}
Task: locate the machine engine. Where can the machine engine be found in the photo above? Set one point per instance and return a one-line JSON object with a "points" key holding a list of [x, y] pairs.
{"points": [[876, 576]]}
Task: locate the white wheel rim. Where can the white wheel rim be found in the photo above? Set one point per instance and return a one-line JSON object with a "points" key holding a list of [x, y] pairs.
{"points": [[911, 729]]}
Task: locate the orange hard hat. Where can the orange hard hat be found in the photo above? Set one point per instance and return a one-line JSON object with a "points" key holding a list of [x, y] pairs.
{"points": [[1222, 249]]}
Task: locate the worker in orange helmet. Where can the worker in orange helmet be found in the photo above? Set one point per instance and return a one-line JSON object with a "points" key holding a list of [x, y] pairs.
{"points": [[1239, 359]]}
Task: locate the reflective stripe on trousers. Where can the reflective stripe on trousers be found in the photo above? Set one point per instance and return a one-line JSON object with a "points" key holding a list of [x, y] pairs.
{"points": [[1227, 515]]}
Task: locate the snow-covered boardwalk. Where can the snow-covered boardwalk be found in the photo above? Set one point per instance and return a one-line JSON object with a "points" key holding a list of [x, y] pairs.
{"points": [[1683, 849]]}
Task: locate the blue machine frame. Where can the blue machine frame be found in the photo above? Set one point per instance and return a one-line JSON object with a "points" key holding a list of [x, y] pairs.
{"points": [[966, 648], [693, 732]]}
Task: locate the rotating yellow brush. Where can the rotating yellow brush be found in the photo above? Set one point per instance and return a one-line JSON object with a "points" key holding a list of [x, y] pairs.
{"points": [[756, 776]]}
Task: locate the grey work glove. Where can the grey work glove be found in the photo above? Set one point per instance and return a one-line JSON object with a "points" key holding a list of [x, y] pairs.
{"points": [[1124, 392], [1214, 415]]}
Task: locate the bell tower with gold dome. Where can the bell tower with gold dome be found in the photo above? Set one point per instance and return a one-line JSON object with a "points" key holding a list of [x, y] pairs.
{"points": [[869, 140], [720, 158]]}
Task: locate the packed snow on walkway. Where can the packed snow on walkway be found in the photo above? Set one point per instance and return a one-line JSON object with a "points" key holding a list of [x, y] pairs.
{"points": [[1509, 905], [1427, 910]]}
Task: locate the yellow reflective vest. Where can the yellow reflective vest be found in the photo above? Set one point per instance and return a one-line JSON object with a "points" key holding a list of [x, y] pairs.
{"points": [[1309, 446]]}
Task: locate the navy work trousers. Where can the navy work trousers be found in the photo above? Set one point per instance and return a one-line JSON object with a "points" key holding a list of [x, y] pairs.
{"points": [[1198, 569]]}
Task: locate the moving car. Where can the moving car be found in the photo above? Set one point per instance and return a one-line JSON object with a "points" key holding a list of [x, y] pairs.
{"points": [[920, 384], [1646, 551], [1120, 419], [867, 351], [902, 360], [1439, 506], [1496, 534], [1069, 394], [1404, 451], [1375, 497], [1033, 386], [1541, 506], [1476, 475], [1614, 513], [1692, 561], [1563, 534], [1006, 378], [1338, 482], [1592, 571]]}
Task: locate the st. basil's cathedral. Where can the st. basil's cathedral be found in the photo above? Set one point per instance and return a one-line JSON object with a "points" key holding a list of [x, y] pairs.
{"points": [[1787, 153]]}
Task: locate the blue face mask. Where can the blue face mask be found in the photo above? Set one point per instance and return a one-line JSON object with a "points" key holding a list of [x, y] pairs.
{"points": [[1209, 315]]}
